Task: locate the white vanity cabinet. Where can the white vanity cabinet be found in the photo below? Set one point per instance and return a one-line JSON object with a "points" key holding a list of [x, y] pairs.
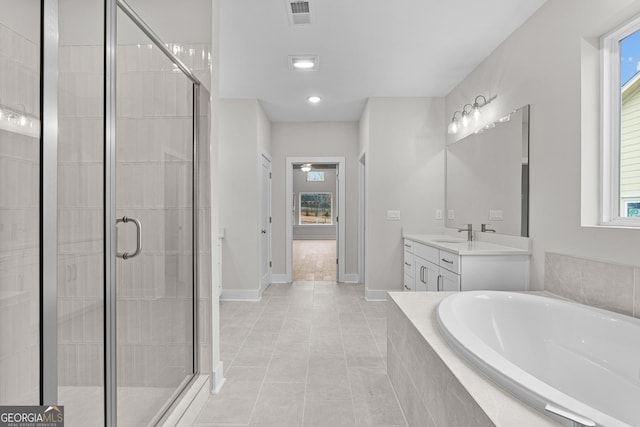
{"points": [[462, 266]]}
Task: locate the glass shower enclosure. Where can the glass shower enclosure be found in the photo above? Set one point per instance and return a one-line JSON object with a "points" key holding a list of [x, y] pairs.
{"points": [[104, 213]]}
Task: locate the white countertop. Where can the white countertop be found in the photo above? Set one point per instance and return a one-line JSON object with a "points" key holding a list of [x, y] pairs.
{"points": [[461, 246], [502, 408]]}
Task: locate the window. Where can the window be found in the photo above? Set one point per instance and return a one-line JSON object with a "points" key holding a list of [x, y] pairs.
{"points": [[621, 126], [316, 209], [315, 176]]}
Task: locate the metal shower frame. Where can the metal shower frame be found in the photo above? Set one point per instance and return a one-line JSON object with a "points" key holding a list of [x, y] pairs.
{"points": [[49, 203]]}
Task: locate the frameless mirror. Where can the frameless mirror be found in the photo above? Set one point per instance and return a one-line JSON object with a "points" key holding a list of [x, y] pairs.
{"points": [[488, 177]]}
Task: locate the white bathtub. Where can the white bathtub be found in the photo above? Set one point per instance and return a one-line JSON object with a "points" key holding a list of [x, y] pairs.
{"points": [[577, 362]]}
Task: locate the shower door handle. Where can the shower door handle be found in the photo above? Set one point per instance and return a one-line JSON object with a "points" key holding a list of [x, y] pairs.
{"points": [[136, 222]]}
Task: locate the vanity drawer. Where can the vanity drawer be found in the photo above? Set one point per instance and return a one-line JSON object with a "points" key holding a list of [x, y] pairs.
{"points": [[428, 253], [450, 261], [408, 264], [408, 246], [409, 283]]}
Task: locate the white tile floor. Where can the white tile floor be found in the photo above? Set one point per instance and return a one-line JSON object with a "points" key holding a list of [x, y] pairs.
{"points": [[308, 354]]}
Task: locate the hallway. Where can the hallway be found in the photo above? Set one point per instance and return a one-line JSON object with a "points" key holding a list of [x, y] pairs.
{"points": [[308, 354], [314, 260]]}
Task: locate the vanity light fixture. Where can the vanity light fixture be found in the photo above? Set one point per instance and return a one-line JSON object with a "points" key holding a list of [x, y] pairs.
{"points": [[470, 114], [477, 108], [18, 120], [466, 115], [453, 126]]}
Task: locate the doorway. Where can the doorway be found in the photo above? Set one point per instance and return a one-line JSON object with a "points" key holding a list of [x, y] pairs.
{"points": [[315, 189]]}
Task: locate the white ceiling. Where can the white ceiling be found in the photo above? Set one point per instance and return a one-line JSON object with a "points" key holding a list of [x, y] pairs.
{"points": [[367, 48]]}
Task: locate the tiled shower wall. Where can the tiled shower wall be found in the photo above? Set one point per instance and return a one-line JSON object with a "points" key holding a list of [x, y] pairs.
{"points": [[614, 287], [19, 207], [80, 216], [153, 130]]}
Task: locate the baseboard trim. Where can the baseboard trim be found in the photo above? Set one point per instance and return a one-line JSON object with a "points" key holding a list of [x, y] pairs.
{"points": [[240, 295], [352, 278], [312, 237], [217, 378], [264, 288], [375, 295], [280, 278]]}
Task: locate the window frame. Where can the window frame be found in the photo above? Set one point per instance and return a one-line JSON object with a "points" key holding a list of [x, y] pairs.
{"points": [[315, 173], [300, 208], [611, 97]]}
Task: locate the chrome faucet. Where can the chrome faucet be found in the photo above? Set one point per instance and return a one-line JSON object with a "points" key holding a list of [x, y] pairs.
{"points": [[484, 229], [469, 231]]}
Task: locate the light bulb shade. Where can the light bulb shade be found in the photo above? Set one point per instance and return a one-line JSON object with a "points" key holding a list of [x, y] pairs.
{"points": [[476, 112], [453, 127], [465, 119]]}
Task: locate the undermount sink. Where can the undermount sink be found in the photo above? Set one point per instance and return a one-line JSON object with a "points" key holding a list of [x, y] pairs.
{"points": [[449, 240]]}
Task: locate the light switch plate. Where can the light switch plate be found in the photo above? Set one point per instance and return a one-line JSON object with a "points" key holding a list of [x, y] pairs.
{"points": [[495, 215], [393, 215], [451, 214], [438, 213]]}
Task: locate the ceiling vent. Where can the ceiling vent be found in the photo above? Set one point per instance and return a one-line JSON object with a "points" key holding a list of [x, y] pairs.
{"points": [[298, 12]]}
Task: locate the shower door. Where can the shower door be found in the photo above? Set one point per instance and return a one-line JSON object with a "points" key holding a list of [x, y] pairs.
{"points": [[154, 227]]}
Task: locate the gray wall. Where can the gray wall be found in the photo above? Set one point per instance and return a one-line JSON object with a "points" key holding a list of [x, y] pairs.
{"points": [[300, 184], [552, 63], [403, 139], [244, 135]]}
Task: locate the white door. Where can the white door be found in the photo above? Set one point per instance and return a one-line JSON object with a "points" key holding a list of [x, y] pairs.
{"points": [[265, 222]]}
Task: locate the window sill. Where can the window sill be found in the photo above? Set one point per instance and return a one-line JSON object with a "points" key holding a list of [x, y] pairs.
{"points": [[614, 225]]}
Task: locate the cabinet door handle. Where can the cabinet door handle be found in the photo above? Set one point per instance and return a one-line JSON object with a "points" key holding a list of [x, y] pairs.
{"points": [[407, 246], [407, 288], [447, 261], [407, 264], [438, 283]]}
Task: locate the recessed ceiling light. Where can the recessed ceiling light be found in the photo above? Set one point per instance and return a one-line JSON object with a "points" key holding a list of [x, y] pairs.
{"points": [[303, 62], [314, 99]]}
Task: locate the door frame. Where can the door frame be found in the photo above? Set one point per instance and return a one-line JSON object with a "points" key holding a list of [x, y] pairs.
{"points": [[110, 240], [263, 286], [339, 211], [362, 213]]}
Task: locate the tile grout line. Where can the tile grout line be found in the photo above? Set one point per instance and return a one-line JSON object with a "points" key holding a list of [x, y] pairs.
{"points": [[266, 371], [344, 352], [306, 380], [395, 394]]}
